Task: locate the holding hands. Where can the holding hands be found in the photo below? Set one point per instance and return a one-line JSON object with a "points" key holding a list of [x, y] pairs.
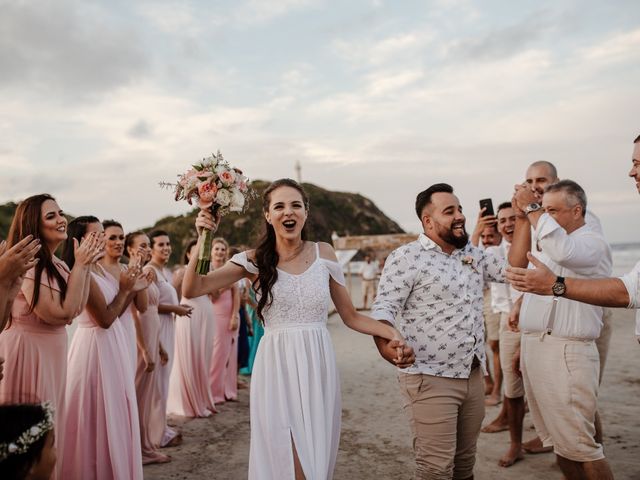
{"points": [[523, 196]]}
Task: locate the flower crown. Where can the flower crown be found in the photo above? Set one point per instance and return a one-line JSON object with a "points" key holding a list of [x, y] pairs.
{"points": [[29, 436]]}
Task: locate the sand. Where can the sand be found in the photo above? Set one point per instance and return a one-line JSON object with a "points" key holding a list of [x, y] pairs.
{"points": [[376, 441]]}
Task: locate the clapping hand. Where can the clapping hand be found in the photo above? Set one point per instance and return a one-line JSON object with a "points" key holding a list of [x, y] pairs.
{"points": [[17, 260], [90, 249]]}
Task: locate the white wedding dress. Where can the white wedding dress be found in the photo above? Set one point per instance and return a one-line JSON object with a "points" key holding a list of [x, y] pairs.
{"points": [[295, 388]]}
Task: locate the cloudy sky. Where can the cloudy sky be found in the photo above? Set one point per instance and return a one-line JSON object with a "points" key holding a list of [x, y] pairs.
{"points": [[101, 100]]}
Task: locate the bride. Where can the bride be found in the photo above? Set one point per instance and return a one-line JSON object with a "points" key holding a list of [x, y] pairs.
{"points": [[295, 389]]}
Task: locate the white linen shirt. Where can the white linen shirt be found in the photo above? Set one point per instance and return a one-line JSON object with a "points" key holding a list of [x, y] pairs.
{"points": [[584, 253], [632, 281], [503, 295], [369, 271], [435, 301]]}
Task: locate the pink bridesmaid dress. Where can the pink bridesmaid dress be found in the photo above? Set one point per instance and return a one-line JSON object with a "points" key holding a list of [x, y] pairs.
{"points": [[168, 296], [35, 354], [101, 425], [150, 410], [189, 390], [223, 373], [130, 330]]}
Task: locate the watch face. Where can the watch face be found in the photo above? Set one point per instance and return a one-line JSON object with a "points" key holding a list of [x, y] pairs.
{"points": [[558, 289]]}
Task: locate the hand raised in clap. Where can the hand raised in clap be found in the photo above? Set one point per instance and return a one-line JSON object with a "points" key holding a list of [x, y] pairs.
{"points": [[206, 220], [538, 280], [90, 249], [17, 260]]}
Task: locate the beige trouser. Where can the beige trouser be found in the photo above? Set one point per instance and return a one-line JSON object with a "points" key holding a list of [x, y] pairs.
{"points": [[369, 289], [445, 415], [509, 345], [603, 341], [561, 380]]}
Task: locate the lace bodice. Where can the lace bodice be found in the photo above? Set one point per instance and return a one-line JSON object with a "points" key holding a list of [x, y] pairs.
{"points": [[298, 299]]}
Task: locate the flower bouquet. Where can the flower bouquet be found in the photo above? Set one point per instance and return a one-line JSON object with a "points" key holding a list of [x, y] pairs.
{"points": [[216, 186]]}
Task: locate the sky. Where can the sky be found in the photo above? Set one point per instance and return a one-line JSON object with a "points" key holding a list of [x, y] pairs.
{"points": [[100, 101]]}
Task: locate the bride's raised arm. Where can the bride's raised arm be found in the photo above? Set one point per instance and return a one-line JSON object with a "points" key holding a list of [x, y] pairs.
{"points": [[195, 285]]}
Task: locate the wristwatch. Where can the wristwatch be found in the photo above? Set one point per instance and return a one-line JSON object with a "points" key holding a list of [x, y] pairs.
{"points": [[558, 288], [532, 207]]}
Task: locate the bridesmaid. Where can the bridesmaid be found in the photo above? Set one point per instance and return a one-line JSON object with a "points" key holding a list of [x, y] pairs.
{"points": [[223, 372], [150, 356], [168, 307], [52, 295], [114, 250], [189, 390], [251, 303], [101, 424]]}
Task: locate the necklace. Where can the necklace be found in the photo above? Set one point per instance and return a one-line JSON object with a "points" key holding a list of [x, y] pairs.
{"points": [[296, 252]]}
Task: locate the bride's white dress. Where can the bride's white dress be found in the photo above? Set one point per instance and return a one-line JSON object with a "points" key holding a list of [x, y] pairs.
{"points": [[295, 389]]}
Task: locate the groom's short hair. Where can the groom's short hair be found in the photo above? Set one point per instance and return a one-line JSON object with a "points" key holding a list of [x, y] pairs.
{"points": [[424, 198]]}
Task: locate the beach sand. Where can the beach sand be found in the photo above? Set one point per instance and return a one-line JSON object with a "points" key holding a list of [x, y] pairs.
{"points": [[376, 441]]}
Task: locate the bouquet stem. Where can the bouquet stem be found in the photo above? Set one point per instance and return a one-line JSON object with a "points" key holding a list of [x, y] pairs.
{"points": [[204, 253]]}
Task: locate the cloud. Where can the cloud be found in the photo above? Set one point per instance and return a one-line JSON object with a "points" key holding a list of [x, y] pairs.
{"points": [[618, 48], [66, 48]]}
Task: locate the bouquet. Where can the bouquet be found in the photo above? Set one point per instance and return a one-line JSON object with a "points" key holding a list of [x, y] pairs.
{"points": [[216, 186]]}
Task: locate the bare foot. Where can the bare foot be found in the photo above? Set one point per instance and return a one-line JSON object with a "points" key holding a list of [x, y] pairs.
{"points": [[175, 441], [492, 401], [513, 455], [156, 458], [498, 425], [534, 446]]}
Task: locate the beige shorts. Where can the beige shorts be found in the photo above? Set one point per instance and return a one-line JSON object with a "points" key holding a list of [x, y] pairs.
{"points": [[492, 326], [561, 380], [509, 345], [603, 341], [369, 288]]}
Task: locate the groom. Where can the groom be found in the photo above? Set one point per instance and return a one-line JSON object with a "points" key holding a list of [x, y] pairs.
{"points": [[431, 290]]}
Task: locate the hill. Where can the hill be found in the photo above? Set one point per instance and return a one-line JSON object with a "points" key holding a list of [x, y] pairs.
{"points": [[341, 212]]}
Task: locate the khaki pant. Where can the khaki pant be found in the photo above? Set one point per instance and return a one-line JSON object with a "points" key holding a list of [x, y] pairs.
{"points": [[561, 380], [445, 415], [509, 345]]}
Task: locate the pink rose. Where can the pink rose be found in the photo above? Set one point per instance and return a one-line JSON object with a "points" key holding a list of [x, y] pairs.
{"points": [[207, 192], [227, 177]]}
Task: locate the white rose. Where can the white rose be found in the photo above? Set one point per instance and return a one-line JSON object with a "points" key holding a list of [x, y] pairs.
{"points": [[223, 197], [237, 201], [12, 448], [34, 430]]}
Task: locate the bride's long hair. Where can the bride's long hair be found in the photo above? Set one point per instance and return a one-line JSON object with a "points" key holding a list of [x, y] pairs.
{"points": [[266, 255]]}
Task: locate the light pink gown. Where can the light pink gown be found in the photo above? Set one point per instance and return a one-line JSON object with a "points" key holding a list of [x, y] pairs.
{"points": [[35, 354], [152, 415], [189, 391], [168, 296], [130, 330], [102, 431], [223, 372]]}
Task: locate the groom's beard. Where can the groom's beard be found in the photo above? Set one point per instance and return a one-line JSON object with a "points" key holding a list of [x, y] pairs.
{"points": [[446, 234]]}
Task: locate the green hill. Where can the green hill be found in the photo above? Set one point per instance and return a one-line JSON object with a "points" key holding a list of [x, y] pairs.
{"points": [[344, 213]]}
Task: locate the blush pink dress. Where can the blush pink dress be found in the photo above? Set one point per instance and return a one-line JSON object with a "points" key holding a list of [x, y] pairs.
{"points": [[189, 390], [223, 373], [35, 354], [102, 435], [168, 296], [148, 388]]}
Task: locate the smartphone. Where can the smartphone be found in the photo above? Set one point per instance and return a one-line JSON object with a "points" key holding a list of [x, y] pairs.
{"points": [[488, 205]]}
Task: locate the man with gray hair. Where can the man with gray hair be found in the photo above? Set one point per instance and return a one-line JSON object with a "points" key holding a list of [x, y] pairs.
{"points": [[560, 363]]}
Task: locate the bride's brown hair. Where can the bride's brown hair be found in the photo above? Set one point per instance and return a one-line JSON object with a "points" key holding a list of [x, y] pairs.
{"points": [[266, 255]]}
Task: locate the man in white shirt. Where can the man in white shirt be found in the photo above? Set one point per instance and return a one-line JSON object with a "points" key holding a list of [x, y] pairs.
{"points": [[431, 290], [610, 292], [369, 275], [560, 362]]}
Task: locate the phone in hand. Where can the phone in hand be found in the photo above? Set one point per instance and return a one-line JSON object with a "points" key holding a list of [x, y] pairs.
{"points": [[487, 204]]}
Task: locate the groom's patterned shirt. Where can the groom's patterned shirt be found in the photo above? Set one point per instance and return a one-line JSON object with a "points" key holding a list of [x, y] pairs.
{"points": [[435, 301]]}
